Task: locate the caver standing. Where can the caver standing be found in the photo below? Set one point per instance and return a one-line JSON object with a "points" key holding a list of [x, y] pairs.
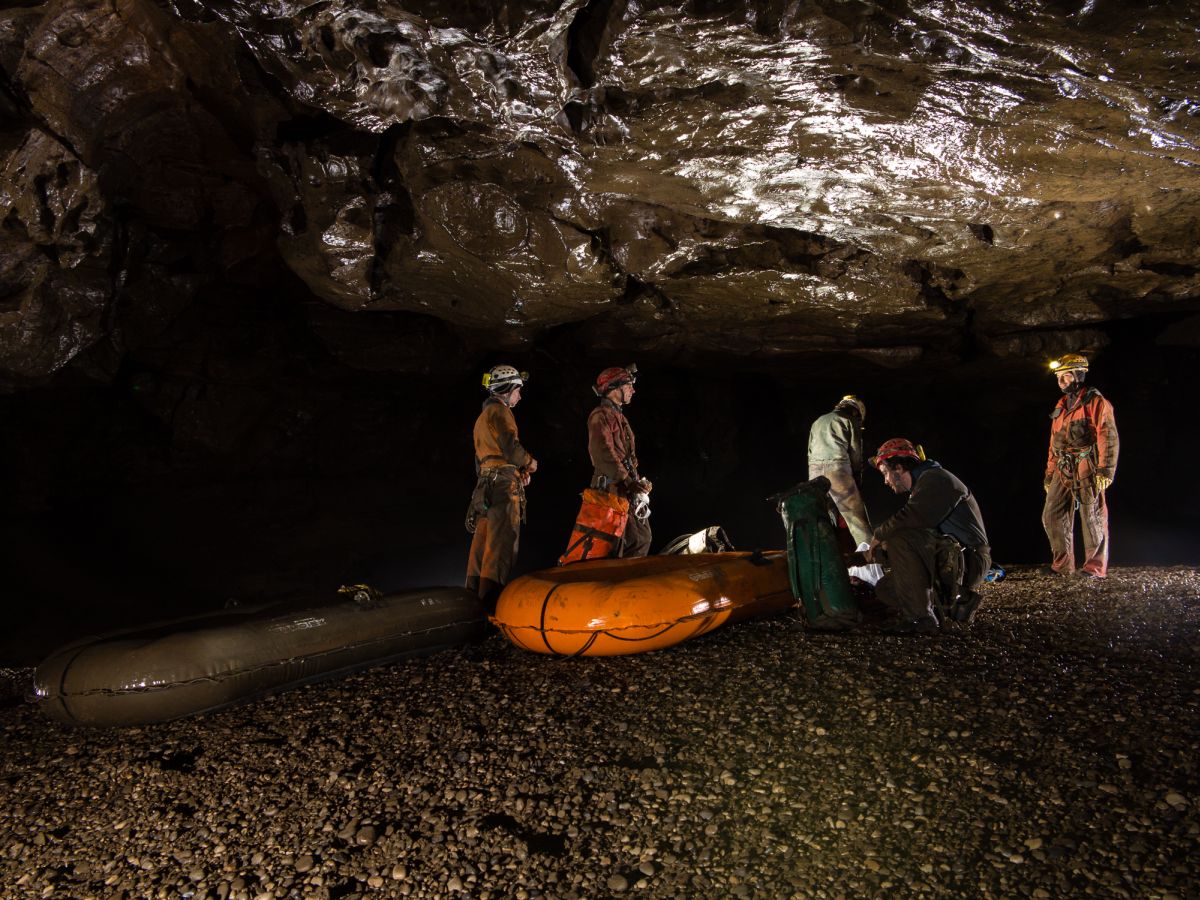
{"points": [[835, 451], [614, 455], [1080, 468], [504, 467], [935, 549]]}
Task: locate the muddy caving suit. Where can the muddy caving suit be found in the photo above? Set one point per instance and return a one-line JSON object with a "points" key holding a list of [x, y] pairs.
{"points": [[614, 459], [1083, 444], [497, 506], [937, 548], [835, 451]]}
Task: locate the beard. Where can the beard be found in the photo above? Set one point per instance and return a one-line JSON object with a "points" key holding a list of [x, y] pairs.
{"points": [[1073, 388]]}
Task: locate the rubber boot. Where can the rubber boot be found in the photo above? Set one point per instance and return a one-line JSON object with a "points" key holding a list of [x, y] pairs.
{"points": [[489, 593]]}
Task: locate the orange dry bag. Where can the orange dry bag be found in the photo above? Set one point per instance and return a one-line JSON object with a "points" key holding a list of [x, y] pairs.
{"points": [[598, 528]]}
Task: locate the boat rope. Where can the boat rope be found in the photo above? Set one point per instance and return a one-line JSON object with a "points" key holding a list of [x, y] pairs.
{"points": [[62, 680], [587, 645], [542, 622]]}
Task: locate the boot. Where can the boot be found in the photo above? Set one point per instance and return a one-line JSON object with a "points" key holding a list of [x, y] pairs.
{"points": [[489, 593], [964, 611]]}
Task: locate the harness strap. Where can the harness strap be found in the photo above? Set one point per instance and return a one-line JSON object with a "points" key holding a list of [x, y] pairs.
{"points": [[1068, 459], [589, 534]]}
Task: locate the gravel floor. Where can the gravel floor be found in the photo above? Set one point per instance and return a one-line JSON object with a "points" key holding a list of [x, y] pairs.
{"points": [[1049, 751]]}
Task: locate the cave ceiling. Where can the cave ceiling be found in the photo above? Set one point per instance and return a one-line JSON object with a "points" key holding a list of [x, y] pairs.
{"points": [[774, 180]]}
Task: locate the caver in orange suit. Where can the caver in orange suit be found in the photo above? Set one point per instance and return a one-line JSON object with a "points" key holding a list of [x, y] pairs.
{"points": [[1080, 466], [497, 507]]}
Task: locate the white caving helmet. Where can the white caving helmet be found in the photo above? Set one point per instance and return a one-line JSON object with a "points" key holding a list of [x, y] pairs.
{"points": [[502, 379]]}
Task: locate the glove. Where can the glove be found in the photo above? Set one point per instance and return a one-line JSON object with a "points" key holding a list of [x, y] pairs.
{"points": [[1046, 485], [637, 485], [1103, 482]]}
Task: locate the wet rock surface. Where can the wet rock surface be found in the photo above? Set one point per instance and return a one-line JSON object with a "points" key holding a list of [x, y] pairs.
{"points": [[1050, 750], [903, 180]]}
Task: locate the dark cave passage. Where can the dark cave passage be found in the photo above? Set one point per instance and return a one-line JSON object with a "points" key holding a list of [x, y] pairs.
{"points": [[293, 479]]}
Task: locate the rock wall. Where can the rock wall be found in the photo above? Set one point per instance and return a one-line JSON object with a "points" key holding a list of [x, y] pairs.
{"points": [[793, 182]]}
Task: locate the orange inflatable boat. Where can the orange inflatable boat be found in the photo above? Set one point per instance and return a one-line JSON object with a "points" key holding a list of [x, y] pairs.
{"points": [[614, 607]]}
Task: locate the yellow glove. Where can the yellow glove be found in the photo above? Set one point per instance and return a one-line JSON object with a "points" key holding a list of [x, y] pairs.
{"points": [[1102, 483]]}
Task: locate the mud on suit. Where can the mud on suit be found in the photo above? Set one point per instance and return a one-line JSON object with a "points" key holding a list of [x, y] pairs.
{"points": [[937, 548], [497, 506], [1083, 445], [835, 451], [614, 461]]}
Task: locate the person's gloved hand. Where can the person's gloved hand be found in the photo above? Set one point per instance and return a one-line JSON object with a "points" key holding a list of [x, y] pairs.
{"points": [[645, 485], [1046, 485], [870, 553], [1103, 482], [526, 471]]}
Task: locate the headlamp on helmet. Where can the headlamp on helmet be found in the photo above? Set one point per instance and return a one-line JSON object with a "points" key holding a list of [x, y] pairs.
{"points": [[614, 377], [502, 379], [1069, 362]]}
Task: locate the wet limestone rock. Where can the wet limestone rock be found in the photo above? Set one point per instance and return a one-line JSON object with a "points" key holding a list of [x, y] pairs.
{"points": [[897, 181]]}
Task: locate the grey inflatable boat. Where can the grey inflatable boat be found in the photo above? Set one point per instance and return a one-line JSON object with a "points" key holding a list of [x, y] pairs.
{"points": [[195, 665]]}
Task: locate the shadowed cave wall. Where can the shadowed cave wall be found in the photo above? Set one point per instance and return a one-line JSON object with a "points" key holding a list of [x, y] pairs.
{"points": [[254, 258], [283, 472]]}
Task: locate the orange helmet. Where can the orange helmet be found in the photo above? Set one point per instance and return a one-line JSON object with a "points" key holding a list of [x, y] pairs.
{"points": [[614, 377], [897, 447]]}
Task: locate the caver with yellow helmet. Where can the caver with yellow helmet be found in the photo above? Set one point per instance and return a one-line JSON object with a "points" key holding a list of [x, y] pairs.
{"points": [[935, 549], [1080, 468], [503, 469], [835, 452], [1070, 370], [613, 452], [1069, 362]]}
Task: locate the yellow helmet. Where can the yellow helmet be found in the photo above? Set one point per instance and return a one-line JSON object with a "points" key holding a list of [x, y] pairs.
{"points": [[1069, 362], [852, 402]]}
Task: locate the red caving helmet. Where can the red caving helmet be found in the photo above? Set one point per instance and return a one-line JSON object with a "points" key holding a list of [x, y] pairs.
{"points": [[614, 377], [897, 447]]}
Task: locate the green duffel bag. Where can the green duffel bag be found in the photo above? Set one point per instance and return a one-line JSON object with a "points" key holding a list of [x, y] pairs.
{"points": [[819, 577]]}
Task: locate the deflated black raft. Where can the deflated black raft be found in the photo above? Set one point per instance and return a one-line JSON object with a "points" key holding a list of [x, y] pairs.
{"points": [[195, 665]]}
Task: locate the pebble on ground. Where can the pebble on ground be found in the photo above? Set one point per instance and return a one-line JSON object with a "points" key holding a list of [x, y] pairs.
{"points": [[1050, 750]]}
